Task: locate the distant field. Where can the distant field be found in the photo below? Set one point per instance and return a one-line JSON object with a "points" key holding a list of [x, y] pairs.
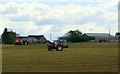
{"points": [[79, 57]]}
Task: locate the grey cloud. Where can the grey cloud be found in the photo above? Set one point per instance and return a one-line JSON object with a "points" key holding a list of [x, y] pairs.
{"points": [[10, 10], [20, 18], [47, 21]]}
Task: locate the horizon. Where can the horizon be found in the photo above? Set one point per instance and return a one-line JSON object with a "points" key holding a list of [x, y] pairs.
{"points": [[58, 17]]}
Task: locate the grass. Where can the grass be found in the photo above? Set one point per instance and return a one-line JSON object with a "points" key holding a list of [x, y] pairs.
{"points": [[79, 57]]}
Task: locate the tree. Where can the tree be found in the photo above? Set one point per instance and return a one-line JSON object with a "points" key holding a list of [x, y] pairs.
{"points": [[73, 36], [77, 36], [117, 35], [8, 37]]}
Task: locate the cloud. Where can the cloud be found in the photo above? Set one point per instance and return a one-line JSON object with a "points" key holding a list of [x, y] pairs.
{"points": [[31, 28], [21, 18], [90, 28], [5, 1], [10, 8], [45, 18], [48, 21], [68, 14]]}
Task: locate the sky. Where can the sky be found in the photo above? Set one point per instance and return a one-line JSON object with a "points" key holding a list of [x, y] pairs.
{"points": [[42, 17]]}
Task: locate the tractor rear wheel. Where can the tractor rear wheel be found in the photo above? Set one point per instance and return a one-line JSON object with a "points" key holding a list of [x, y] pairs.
{"points": [[50, 48]]}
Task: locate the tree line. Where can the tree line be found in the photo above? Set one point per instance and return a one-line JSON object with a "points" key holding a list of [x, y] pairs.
{"points": [[9, 37], [76, 36]]}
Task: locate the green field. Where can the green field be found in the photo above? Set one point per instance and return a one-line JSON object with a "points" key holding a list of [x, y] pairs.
{"points": [[79, 57]]}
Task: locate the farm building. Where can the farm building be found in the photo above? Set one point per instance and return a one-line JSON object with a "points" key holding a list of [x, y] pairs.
{"points": [[34, 38], [101, 37], [23, 37], [39, 38]]}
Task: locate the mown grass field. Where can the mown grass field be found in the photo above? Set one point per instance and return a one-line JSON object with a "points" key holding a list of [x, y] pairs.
{"points": [[79, 57]]}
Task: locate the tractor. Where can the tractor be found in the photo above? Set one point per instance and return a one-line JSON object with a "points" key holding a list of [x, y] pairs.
{"points": [[56, 45], [21, 42]]}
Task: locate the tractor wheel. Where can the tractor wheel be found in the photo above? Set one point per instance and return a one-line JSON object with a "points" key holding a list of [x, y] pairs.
{"points": [[59, 48], [50, 48]]}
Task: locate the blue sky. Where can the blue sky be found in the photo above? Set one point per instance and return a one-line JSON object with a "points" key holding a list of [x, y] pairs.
{"points": [[59, 16]]}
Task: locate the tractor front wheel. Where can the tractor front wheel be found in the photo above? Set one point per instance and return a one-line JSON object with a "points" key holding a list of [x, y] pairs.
{"points": [[59, 48]]}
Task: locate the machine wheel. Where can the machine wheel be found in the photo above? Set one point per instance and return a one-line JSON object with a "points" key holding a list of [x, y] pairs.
{"points": [[59, 48], [50, 48]]}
